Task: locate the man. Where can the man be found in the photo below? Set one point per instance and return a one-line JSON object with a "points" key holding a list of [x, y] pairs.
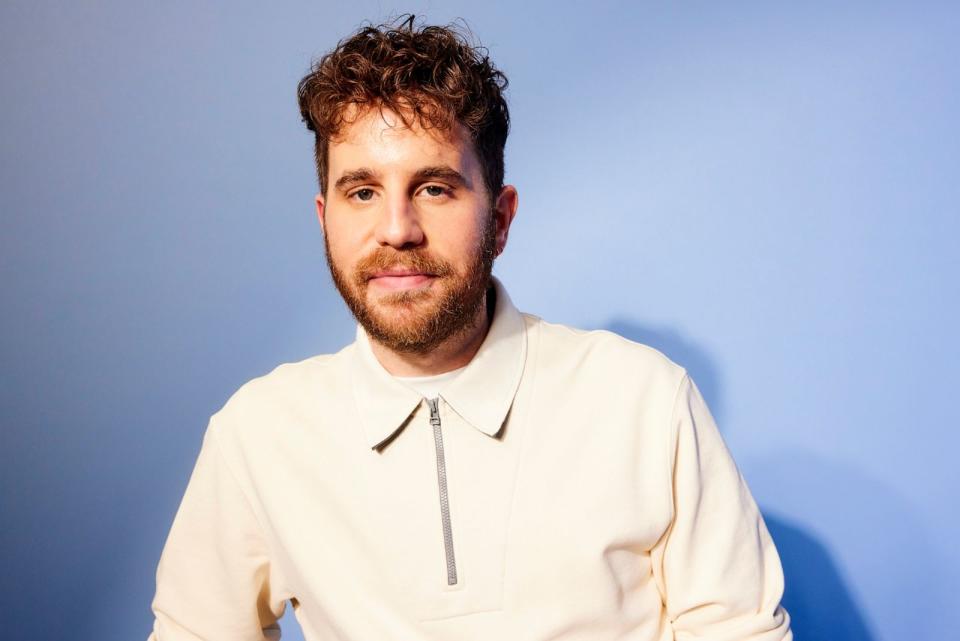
{"points": [[462, 470]]}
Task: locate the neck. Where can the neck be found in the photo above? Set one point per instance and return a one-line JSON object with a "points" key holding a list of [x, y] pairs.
{"points": [[453, 353]]}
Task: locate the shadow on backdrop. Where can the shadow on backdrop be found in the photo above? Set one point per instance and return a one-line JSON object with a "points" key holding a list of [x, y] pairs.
{"points": [[818, 600], [816, 596]]}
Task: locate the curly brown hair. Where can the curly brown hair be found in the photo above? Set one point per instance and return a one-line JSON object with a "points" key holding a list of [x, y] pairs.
{"points": [[430, 74]]}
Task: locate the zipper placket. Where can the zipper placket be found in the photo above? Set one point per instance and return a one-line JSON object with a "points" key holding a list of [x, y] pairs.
{"points": [[444, 499]]}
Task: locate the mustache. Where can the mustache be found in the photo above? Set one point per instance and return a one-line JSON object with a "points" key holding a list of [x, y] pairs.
{"points": [[414, 259]]}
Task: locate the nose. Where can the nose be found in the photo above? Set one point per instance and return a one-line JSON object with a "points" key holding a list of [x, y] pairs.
{"points": [[399, 225]]}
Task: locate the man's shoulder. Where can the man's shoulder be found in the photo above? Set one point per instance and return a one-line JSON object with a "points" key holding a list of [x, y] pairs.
{"points": [[601, 351], [286, 388]]}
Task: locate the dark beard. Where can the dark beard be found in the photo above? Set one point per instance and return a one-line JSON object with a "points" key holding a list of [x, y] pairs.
{"points": [[419, 330]]}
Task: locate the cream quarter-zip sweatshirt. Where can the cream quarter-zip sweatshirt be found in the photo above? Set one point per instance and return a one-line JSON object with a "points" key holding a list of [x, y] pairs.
{"points": [[567, 485]]}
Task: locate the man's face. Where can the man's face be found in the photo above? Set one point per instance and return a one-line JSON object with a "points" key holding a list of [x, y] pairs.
{"points": [[409, 230]]}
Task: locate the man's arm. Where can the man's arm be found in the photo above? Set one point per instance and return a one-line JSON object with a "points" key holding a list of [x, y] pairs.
{"points": [[213, 580], [717, 568]]}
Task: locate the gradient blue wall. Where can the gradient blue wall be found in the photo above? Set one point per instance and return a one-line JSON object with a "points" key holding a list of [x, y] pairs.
{"points": [[767, 194]]}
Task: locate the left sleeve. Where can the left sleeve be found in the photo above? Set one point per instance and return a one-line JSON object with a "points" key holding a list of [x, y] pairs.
{"points": [[717, 568], [215, 580]]}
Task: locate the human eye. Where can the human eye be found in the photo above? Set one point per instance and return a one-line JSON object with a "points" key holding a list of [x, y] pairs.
{"points": [[364, 194], [437, 191]]}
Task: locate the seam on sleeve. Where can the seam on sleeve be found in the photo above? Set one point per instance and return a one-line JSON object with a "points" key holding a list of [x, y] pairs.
{"points": [[236, 479], [284, 587], [670, 484], [674, 440]]}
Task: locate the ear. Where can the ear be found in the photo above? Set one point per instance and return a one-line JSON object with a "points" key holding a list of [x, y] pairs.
{"points": [[504, 211], [320, 205]]}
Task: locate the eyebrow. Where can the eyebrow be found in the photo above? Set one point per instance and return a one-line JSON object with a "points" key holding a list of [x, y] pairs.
{"points": [[434, 172], [443, 172], [353, 177]]}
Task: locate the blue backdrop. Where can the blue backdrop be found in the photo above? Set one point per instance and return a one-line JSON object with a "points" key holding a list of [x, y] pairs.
{"points": [[768, 194]]}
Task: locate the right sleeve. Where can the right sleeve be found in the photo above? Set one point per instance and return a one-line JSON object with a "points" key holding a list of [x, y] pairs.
{"points": [[213, 579], [717, 566]]}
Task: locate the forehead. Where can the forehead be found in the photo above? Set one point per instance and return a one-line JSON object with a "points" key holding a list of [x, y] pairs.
{"points": [[379, 138]]}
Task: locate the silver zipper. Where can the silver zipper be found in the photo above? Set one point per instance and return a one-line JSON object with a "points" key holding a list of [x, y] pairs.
{"points": [[444, 499]]}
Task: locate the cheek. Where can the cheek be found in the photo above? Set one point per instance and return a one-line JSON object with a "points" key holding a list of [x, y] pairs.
{"points": [[457, 240], [346, 244]]}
